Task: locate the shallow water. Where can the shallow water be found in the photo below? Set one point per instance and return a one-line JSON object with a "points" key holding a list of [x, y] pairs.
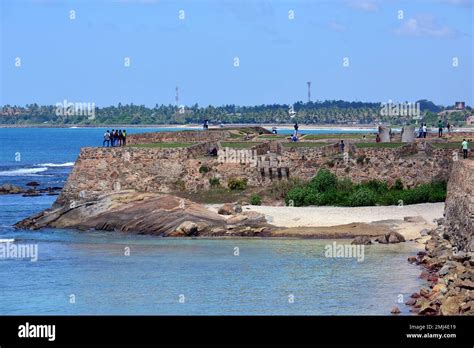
{"points": [[261, 280]]}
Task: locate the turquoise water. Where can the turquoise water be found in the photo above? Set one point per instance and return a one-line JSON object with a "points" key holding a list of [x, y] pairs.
{"points": [[93, 267]]}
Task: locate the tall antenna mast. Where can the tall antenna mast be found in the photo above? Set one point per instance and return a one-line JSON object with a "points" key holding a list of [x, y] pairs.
{"points": [[177, 96], [309, 91]]}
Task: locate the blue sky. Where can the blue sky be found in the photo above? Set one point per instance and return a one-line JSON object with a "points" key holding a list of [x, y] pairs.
{"points": [[82, 60]]}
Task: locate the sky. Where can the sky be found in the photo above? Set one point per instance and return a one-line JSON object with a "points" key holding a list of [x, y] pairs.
{"points": [[239, 52]]}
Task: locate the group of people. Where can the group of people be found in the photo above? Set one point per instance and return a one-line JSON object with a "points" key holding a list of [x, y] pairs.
{"points": [[423, 130], [117, 137]]}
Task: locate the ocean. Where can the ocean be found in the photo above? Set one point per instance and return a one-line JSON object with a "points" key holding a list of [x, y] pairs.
{"points": [[114, 273]]}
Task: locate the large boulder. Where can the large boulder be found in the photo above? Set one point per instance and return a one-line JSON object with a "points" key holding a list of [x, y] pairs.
{"points": [[10, 189]]}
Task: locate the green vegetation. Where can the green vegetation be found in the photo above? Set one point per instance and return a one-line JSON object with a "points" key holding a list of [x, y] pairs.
{"points": [[204, 169], [326, 189], [237, 183], [320, 112], [337, 136], [450, 145], [239, 145], [255, 199], [214, 182], [304, 144], [273, 137], [163, 145], [379, 145]]}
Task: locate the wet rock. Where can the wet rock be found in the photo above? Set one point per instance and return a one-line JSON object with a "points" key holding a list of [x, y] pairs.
{"points": [[424, 292], [412, 259], [451, 305], [362, 240], [381, 239], [395, 237], [10, 189], [189, 228], [428, 309], [415, 295], [411, 302], [33, 183], [467, 284], [395, 310]]}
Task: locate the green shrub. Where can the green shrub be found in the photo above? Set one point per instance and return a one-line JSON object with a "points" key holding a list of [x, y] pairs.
{"points": [[203, 169], [345, 185], [362, 197], [255, 199], [214, 182], [296, 196], [376, 186], [280, 188], [398, 185], [237, 183], [323, 181]]}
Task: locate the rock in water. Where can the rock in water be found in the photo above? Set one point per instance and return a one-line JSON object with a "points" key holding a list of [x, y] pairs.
{"points": [[362, 240], [395, 237], [395, 310], [10, 189]]}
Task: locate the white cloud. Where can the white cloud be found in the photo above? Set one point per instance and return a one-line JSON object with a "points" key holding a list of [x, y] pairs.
{"points": [[364, 5], [424, 25]]}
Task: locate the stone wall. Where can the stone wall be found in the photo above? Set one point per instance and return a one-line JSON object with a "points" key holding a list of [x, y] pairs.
{"points": [[101, 170], [459, 207]]}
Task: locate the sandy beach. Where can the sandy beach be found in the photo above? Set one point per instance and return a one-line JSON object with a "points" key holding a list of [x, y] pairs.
{"points": [[347, 222]]}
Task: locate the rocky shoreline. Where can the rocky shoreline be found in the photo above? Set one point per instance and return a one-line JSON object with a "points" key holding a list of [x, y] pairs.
{"points": [[32, 191], [449, 273]]}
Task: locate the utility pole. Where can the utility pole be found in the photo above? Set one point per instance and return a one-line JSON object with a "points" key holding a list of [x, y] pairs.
{"points": [[309, 91]]}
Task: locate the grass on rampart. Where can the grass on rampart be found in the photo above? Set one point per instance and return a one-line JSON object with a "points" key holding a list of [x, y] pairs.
{"points": [[163, 145], [299, 144], [375, 145], [338, 136], [239, 144]]}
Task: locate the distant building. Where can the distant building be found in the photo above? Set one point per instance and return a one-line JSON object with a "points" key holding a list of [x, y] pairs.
{"points": [[460, 105]]}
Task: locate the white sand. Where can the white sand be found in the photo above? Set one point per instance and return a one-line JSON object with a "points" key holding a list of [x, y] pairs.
{"points": [[333, 216]]}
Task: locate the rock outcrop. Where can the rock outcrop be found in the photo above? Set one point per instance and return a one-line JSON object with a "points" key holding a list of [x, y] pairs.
{"points": [[146, 213]]}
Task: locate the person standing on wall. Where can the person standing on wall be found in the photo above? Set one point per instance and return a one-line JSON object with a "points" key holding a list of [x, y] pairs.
{"points": [[106, 139], [425, 130], [440, 128], [465, 147]]}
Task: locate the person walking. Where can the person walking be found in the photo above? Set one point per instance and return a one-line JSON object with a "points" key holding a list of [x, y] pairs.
{"points": [[106, 139], [465, 147], [425, 130], [449, 127], [124, 139], [341, 146], [440, 128], [296, 128]]}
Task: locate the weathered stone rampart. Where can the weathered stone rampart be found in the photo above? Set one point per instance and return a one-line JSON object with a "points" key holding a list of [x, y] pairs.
{"points": [[459, 207], [165, 170]]}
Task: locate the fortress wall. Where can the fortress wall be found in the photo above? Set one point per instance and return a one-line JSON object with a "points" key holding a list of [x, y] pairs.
{"points": [[101, 170], [459, 207]]}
